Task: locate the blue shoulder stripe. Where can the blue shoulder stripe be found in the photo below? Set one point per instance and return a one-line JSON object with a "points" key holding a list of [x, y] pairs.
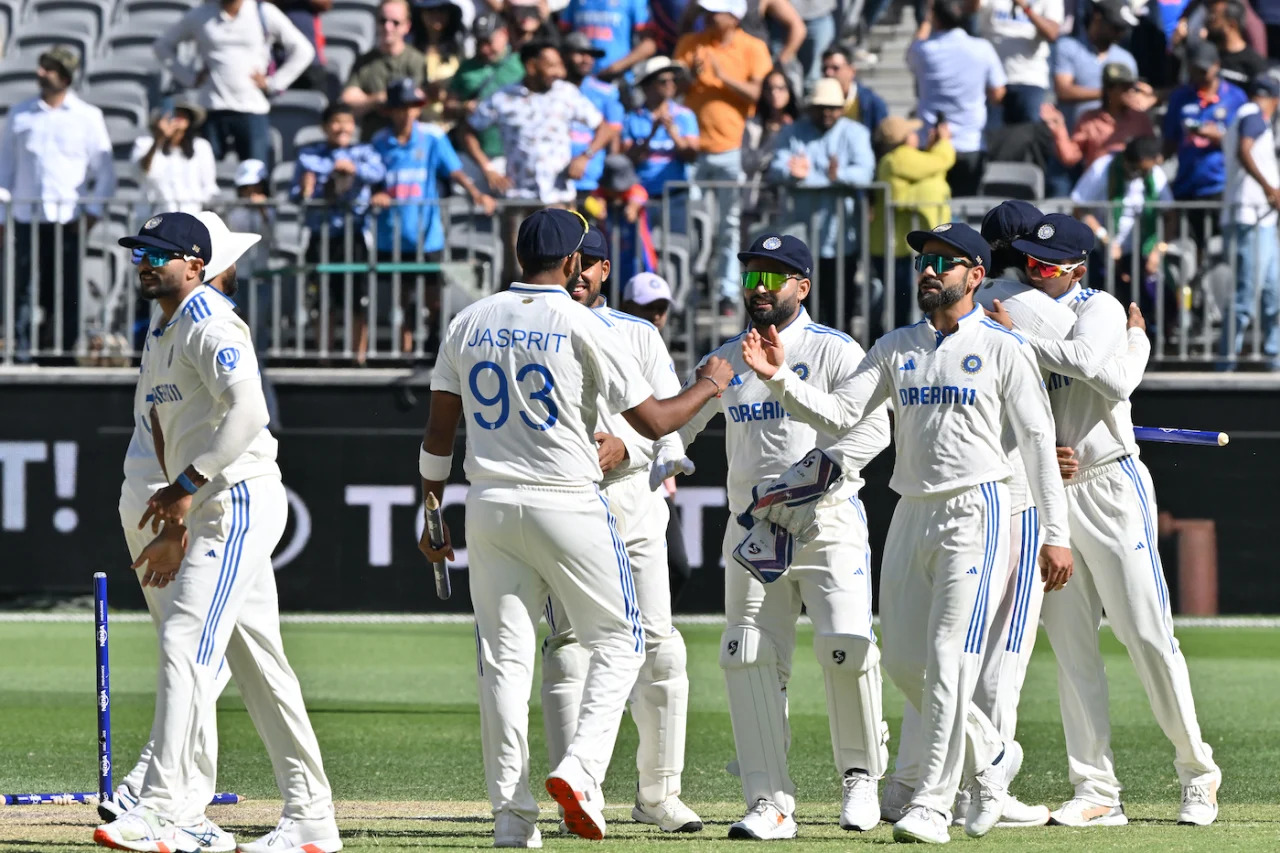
{"points": [[601, 318], [631, 318], [991, 324], [820, 329]]}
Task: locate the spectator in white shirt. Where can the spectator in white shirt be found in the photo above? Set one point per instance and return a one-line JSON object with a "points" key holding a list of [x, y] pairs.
{"points": [[54, 152], [177, 166], [1022, 32], [234, 41]]}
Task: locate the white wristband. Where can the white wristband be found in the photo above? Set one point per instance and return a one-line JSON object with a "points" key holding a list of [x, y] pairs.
{"points": [[432, 467]]}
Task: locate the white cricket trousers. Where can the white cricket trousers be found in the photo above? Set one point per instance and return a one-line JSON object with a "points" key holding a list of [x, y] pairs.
{"points": [[830, 577], [1117, 569], [659, 702], [1012, 637], [224, 604], [939, 586], [524, 543], [133, 503]]}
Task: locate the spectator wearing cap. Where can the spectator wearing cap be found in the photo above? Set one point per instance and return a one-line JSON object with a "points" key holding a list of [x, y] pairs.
{"points": [[528, 22], [618, 29], [176, 163], [916, 175], [661, 135], [1107, 129], [251, 213], [955, 75], [728, 68], [440, 32], [418, 157], [648, 296], [860, 103], [1224, 25], [234, 42], [392, 58], [1078, 64], [54, 152], [1249, 208], [1199, 113], [825, 156], [494, 66], [580, 56], [777, 23], [1022, 32]]}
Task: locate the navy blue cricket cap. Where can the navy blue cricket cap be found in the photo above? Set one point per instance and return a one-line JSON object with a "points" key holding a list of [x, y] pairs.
{"points": [[1265, 84], [958, 236], [550, 233], [173, 232], [594, 245], [1009, 220], [789, 251], [1057, 237]]}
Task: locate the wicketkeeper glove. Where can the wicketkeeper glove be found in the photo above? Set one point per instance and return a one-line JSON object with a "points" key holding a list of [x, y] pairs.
{"points": [[667, 464], [766, 552], [791, 501]]}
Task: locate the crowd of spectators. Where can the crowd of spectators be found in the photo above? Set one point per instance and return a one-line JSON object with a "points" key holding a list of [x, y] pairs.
{"points": [[744, 108]]}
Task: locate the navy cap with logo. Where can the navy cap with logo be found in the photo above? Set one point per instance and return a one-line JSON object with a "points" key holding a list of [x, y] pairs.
{"points": [[1265, 84], [594, 245], [958, 236], [789, 251], [550, 233], [173, 232], [1057, 237], [1009, 220]]}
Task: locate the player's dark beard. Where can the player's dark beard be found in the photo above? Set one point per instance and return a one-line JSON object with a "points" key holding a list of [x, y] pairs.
{"points": [[932, 300], [576, 275], [154, 286], [779, 312], [231, 283]]}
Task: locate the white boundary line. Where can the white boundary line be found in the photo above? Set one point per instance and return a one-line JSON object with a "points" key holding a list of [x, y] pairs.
{"points": [[36, 617]]}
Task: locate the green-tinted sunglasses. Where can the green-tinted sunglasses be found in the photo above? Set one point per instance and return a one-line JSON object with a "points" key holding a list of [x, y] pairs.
{"points": [[769, 280], [940, 263]]}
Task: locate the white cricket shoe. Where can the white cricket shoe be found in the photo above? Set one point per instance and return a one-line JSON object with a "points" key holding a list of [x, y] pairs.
{"points": [[960, 808], [1200, 802], [211, 837], [670, 815], [512, 830], [298, 836], [142, 830], [1018, 814], [859, 809], [117, 804], [764, 823], [990, 789], [895, 802], [922, 824], [580, 797], [1080, 812]]}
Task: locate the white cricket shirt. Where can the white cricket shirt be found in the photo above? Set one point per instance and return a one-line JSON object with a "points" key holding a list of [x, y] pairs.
{"points": [[644, 342], [143, 475], [532, 367], [762, 439], [188, 364], [952, 394]]}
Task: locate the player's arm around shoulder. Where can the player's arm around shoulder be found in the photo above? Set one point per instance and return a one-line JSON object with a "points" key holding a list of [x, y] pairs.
{"points": [[1098, 335], [871, 434]]}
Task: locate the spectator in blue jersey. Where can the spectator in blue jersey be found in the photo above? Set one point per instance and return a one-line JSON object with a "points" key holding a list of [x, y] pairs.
{"points": [[618, 28], [580, 56], [1077, 65], [418, 158], [1200, 111], [661, 135]]}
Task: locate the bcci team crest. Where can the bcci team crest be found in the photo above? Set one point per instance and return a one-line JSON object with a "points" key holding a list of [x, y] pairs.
{"points": [[1044, 232], [801, 370], [229, 357], [771, 244], [153, 222], [972, 363]]}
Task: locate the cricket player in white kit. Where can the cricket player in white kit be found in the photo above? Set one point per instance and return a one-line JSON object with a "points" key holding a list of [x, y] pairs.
{"points": [[207, 400], [957, 379], [830, 575], [1113, 535], [527, 368], [660, 700], [143, 477]]}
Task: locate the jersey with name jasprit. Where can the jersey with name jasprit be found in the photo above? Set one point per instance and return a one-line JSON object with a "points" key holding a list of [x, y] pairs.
{"points": [[1097, 426], [644, 342], [762, 440], [190, 362], [532, 366], [142, 471], [951, 395]]}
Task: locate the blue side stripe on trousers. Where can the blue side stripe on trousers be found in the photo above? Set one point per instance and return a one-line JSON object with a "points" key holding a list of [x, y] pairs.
{"points": [[977, 627], [479, 655], [1026, 578], [227, 572], [624, 575], [862, 514], [1157, 572]]}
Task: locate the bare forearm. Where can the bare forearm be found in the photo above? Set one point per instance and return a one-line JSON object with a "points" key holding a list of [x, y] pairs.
{"points": [[747, 89], [157, 436], [655, 418]]}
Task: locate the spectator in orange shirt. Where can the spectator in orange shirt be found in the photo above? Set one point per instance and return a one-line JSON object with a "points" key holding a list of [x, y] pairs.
{"points": [[728, 67], [1107, 129]]}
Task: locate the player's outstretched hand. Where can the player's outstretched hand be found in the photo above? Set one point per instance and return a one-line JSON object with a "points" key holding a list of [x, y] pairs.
{"points": [[999, 314], [436, 555], [666, 465], [718, 371], [162, 556], [764, 353], [167, 506], [1055, 566], [1068, 465]]}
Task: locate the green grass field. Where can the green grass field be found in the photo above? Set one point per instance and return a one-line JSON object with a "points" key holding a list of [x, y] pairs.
{"points": [[395, 710]]}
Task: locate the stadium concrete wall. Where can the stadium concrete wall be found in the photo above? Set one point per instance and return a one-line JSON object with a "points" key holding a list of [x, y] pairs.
{"points": [[348, 450]]}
